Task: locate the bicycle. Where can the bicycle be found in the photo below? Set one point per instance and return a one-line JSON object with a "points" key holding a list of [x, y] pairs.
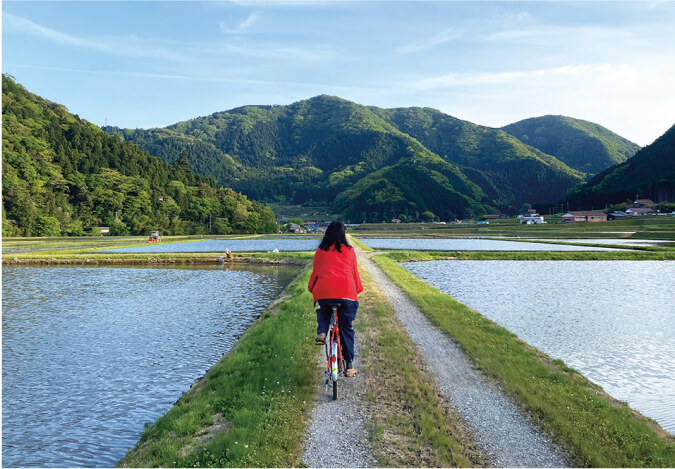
{"points": [[336, 363]]}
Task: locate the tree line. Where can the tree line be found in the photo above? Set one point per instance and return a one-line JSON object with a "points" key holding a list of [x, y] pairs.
{"points": [[62, 175]]}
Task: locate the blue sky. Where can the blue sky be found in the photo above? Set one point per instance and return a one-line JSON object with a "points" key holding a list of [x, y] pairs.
{"points": [[150, 64]]}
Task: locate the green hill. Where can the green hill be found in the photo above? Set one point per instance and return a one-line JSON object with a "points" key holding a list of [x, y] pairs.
{"points": [[580, 144], [62, 175], [510, 172], [650, 173], [320, 148], [415, 188]]}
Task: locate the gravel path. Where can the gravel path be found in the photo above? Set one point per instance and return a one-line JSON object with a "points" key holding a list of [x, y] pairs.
{"points": [[337, 435], [505, 436]]}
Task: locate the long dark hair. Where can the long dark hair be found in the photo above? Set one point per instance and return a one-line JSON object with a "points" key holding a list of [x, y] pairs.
{"points": [[334, 236]]}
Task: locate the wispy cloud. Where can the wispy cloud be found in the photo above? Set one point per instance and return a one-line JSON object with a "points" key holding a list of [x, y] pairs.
{"points": [[241, 26], [438, 39], [210, 77], [268, 51], [120, 46], [599, 71]]}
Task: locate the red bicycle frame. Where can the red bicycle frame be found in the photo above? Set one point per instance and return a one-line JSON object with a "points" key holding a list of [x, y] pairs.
{"points": [[334, 350]]}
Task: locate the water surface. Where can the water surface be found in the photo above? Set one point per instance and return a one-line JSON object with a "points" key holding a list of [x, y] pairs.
{"points": [[234, 245], [614, 321], [89, 355], [469, 244], [618, 241]]}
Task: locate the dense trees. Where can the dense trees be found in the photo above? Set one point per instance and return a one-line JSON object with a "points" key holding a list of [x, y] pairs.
{"points": [[62, 175], [328, 150], [580, 144], [650, 173]]}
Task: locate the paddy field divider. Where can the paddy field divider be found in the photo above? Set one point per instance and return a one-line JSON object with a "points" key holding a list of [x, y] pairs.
{"points": [[249, 409], [596, 429]]}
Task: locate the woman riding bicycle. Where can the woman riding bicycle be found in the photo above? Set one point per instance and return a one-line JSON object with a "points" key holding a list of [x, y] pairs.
{"points": [[335, 278]]}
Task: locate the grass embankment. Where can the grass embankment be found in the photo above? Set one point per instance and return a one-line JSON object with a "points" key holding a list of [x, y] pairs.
{"points": [[647, 227], [94, 258], [572, 242], [597, 430], [403, 256], [249, 409], [92, 251], [411, 425]]}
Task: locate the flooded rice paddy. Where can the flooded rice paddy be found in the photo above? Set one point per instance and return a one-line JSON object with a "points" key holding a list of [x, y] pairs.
{"points": [[614, 321], [470, 244], [234, 245], [90, 355]]}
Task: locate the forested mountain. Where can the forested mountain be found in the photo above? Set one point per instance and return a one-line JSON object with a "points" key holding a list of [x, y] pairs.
{"points": [[648, 174], [365, 160], [62, 175], [510, 172], [582, 145]]}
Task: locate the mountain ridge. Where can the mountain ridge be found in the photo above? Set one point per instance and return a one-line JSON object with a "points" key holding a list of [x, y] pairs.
{"points": [[63, 175], [650, 173], [315, 149], [583, 145]]}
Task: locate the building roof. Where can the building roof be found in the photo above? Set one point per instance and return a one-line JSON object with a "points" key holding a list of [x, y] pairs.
{"points": [[639, 210], [644, 201], [591, 213]]}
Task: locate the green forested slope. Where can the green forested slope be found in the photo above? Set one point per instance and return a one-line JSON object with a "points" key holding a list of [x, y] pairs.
{"points": [[510, 172], [422, 187], [650, 173], [580, 144], [62, 175], [320, 148]]}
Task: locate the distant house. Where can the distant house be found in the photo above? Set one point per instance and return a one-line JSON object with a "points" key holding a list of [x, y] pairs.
{"points": [[642, 203], [101, 229], [617, 214], [532, 218], [295, 228], [396, 220], [639, 211], [577, 217], [310, 226]]}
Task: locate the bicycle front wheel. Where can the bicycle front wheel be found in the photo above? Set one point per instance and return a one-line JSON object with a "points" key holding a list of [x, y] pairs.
{"points": [[334, 390]]}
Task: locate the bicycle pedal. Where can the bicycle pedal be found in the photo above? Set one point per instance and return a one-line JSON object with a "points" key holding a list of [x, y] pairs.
{"points": [[319, 342]]}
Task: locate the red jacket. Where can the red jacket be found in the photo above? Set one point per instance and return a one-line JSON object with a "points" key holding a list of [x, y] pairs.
{"points": [[335, 275]]}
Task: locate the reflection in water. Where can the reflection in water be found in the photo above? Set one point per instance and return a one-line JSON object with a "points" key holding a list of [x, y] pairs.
{"points": [[89, 355], [614, 321], [234, 245], [465, 244]]}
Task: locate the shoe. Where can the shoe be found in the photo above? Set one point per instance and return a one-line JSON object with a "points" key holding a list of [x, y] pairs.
{"points": [[320, 339], [350, 373]]}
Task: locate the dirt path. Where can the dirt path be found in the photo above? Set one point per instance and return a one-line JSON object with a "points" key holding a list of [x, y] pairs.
{"points": [[505, 436], [336, 437]]}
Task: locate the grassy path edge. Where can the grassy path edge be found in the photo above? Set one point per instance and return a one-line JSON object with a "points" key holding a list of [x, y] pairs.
{"points": [[597, 429], [250, 407]]}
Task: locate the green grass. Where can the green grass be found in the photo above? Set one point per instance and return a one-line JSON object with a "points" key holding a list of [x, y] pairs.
{"points": [[647, 227], [406, 401], [22, 251], [596, 429], [356, 243], [404, 256], [249, 410]]}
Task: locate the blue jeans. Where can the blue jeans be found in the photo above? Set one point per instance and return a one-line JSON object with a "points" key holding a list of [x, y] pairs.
{"points": [[346, 316]]}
